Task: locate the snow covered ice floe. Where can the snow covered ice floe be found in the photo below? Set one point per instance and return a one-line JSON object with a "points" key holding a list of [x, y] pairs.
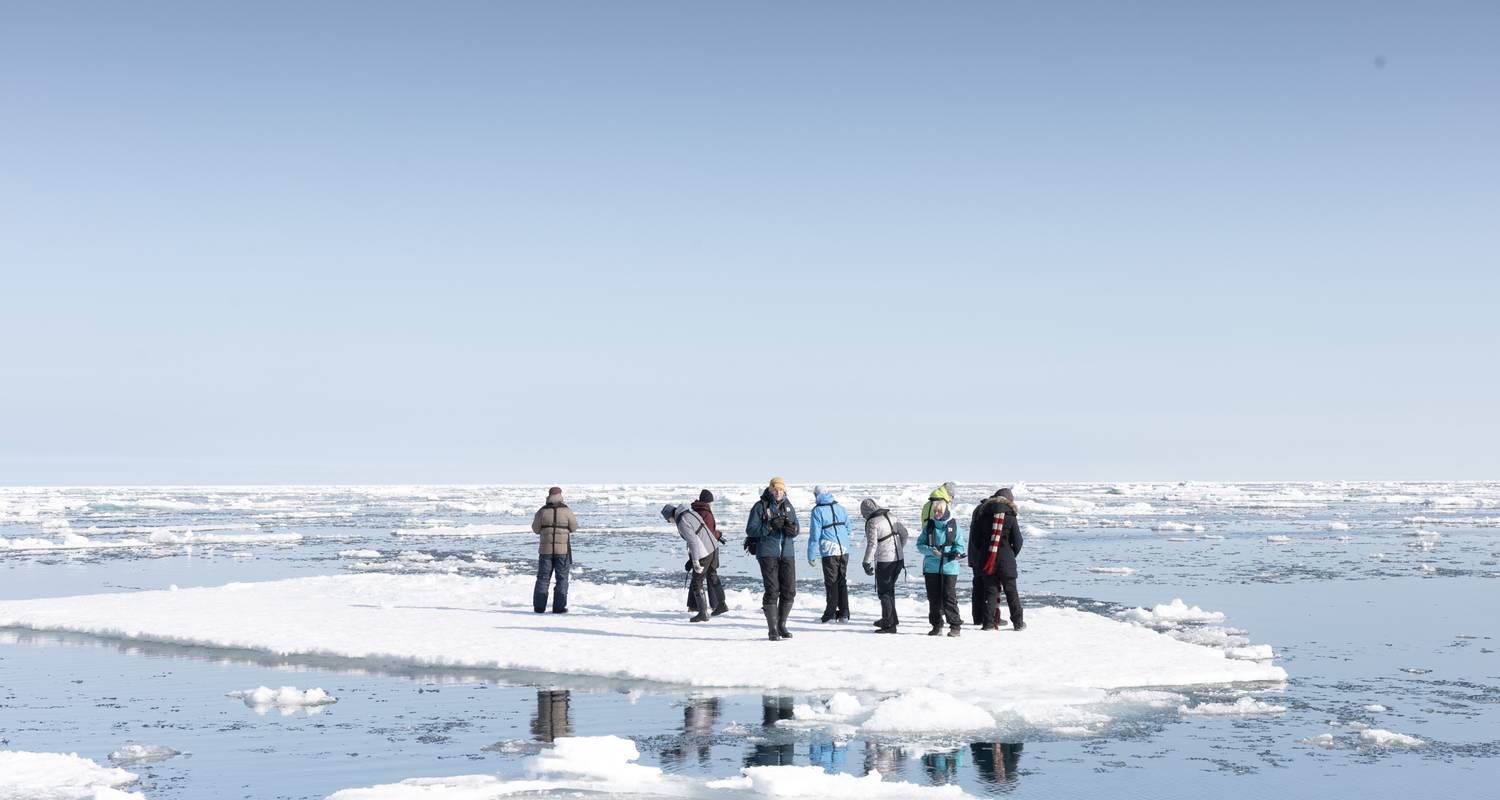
{"points": [[1067, 659], [287, 699], [476, 529], [1113, 570], [59, 776], [606, 766], [132, 754], [1377, 737]]}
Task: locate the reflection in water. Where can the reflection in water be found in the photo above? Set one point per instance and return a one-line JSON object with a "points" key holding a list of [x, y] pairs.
{"points": [[828, 755], [772, 709], [996, 762], [942, 768], [887, 759], [699, 717], [551, 721]]}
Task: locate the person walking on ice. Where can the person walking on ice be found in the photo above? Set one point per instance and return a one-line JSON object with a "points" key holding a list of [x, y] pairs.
{"points": [[828, 539], [554, 523], [942, 547], [994, 543], [768, 536], [703, 507], [702, 548]]}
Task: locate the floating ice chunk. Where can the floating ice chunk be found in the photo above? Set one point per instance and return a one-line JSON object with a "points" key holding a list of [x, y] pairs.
{"points": [[58, 776], [1178, 539], [1337, 526], [1375, 708], [484, 529], [1378, 737], [1244, 705], [132, 754], [1423, 532], [1428, 568], [1113, 570], [1378, 556], [188, 536], [1278, 539], [288, 699], [359, 554], [415, 556], [1177, 527], [1324, 740]]}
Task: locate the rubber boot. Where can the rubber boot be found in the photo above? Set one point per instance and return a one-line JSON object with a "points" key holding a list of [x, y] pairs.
{"points": [[786, 611], [702, 608], [773, 634]]}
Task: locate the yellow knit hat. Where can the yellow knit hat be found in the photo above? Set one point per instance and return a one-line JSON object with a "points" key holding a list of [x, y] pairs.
{"points": [[775, 482]]}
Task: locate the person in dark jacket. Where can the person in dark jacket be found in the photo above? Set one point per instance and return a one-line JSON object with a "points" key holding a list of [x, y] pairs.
{"points": [[994, 543], [768, 534], [828, 539], [885, 558], [554, 524], [704, 509], [701, 546]]}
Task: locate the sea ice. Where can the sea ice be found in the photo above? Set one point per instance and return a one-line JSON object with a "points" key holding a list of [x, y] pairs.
{"points": [[287, 699], [1377, 737], [58, 776], [132, 754], [1068, 658], [1242, 706]]}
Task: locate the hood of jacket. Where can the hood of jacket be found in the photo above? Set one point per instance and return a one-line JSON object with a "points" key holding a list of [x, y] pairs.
{"points": [[701, 506], [669, 512], [824, 498], [942, 493], [555, 499], [868, 507]]}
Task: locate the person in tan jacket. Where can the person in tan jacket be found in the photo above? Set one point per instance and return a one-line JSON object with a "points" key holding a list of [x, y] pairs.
{"points": [[554, 523]]}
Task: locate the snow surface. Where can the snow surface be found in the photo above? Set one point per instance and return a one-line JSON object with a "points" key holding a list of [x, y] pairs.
{"points": [[606, 765], [58, 776], [1068, 660]]}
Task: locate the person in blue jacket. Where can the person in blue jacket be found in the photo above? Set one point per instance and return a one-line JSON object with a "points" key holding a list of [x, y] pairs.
{"points": [[828, 539], [942, 548]]}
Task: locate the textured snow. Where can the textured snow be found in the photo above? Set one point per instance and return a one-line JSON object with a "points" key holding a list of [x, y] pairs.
{"points": [[1175, 611], [1067, 658], [58, 776]]}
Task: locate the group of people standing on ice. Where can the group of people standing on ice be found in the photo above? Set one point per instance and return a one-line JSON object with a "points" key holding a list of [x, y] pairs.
{"points": [[990, 548]]}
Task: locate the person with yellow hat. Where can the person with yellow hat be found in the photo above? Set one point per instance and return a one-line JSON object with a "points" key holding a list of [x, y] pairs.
{"points": [[768, 536]]}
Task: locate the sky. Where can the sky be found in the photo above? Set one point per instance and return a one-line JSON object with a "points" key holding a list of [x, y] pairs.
{"points": [[537, 242]]}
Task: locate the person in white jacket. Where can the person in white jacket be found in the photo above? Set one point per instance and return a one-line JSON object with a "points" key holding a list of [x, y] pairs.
{"points": [[885, 558], [702, 546]]}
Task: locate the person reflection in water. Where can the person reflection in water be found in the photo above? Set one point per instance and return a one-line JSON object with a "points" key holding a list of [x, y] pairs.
{"points": [[551, 721], [699, 717], [773, 709], [996, 762], [942, 768], [883, 758]]}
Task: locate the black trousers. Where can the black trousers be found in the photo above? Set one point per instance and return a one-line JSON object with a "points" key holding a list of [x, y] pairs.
{"points": [[835, 587], [885, 589], [710, 577], [986, 600], [942, 599], [779, 577]]}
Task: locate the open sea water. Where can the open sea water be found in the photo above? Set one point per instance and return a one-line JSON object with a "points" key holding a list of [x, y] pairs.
{"points": [[1370, 594]]}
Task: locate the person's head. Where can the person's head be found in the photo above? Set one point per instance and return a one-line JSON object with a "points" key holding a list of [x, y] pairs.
{"points": [[555, 493], [778, 489], [705, 496], [819, 491], [868, 507], [1007, 494], [939, 509], [669, 512]]}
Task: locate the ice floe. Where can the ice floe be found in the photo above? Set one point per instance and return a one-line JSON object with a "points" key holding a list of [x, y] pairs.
{"points": [[59, 776], [1067, 660], [132, 754], [288, 699], [1378, 737]]}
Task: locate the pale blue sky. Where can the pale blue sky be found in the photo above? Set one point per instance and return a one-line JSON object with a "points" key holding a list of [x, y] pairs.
{"points": [[629, 241]]}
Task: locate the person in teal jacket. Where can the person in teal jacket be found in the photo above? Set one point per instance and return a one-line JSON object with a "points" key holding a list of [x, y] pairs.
{"points": [[828, 539], [942, 547]]}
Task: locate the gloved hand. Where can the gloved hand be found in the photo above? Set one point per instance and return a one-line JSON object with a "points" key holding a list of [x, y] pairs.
{"points": [[697, 568], [751, 544], [688, 565], [869, 569]]}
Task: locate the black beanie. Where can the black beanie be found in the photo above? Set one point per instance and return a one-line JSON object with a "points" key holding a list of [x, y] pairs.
{"points": [[705, 496]]}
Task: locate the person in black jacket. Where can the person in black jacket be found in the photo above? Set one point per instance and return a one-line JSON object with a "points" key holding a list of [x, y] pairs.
{"points": [[994, 543], [769, 534]]}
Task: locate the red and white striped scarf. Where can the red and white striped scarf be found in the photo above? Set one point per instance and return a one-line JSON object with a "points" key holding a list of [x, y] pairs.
{"points": [[997, 530]]}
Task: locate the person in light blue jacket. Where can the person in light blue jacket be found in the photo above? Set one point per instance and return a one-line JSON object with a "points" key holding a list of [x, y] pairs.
{"points": [[828, 539], [942, 548]]}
